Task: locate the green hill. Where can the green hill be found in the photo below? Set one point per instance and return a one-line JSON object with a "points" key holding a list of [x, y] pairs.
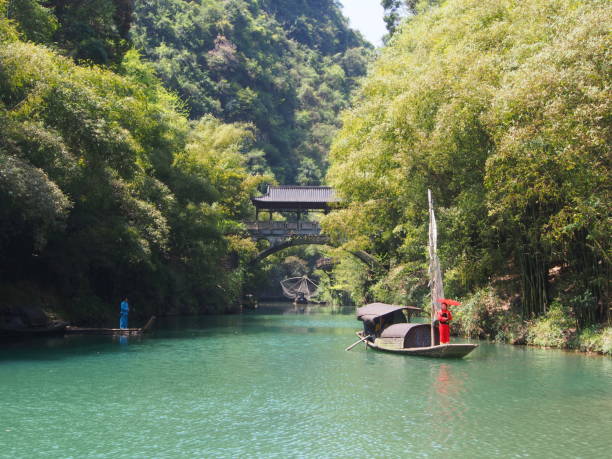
{"points": [[287, 67]]}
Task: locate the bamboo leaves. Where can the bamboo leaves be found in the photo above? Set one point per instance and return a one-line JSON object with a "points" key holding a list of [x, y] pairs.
{"points": [[503, 109]]}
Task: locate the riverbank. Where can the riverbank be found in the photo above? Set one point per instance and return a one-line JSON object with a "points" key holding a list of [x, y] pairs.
{"points": [[484, 315], [28, 304], [488, 315]]}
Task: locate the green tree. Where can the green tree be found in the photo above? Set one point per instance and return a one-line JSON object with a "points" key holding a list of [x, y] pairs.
{"points": [[35, 21]]}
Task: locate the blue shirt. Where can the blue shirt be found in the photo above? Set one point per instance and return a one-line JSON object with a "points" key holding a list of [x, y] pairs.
{"points": [[125, 308]]}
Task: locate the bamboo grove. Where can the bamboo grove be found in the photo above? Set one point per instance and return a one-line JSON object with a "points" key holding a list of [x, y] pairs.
{"points": [[502, 108]]}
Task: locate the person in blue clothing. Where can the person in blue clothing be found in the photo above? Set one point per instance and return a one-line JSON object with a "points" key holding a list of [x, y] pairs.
{"points": [[123, 319]]}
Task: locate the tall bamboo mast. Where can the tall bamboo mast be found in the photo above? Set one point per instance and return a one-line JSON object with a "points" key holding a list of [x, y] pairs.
{"points": [[435, 273]]}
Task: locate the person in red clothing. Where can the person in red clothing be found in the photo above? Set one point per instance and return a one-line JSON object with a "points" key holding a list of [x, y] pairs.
{"points": [[444, 318]]}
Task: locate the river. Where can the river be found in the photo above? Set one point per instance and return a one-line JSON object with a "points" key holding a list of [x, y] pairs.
{"points": [[279, 384]]}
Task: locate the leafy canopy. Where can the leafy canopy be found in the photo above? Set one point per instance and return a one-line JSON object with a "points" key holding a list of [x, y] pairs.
{"points": [[502, 108]]}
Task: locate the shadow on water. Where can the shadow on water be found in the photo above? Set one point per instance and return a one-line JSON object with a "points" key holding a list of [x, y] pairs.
{"points": [[290, 308], [267, 318], [63, 347]]}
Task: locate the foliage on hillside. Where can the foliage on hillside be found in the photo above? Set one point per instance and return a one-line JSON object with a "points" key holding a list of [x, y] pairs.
{"points": [[88, 30], [107, 189], [286, 66], [502, 108]]}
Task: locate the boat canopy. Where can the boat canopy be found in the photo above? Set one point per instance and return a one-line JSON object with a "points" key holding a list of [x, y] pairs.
{"points": [[411, 335], [373, 311]]}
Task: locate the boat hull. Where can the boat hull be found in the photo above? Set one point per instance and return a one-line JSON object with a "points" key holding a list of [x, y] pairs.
{"points": [[110, 331], [449, 351], [103, 331]]}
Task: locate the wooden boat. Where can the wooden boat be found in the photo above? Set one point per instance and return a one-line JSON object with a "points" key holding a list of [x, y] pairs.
{"points": [[387, 328], [300, 299], [459, 350], [110, 331]]}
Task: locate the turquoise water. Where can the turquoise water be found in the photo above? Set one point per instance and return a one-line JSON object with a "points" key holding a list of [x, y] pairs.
{"points": [[281, 385]]}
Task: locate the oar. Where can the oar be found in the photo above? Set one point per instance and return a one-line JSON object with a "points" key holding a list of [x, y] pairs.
{"points": [[355, 344]]}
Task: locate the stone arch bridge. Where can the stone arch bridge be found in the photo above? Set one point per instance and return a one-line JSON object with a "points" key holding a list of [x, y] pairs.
{"points": [[298, 201]]}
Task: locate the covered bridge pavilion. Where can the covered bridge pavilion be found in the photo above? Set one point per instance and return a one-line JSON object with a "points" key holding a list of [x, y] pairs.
{"points": [[298, 199]]}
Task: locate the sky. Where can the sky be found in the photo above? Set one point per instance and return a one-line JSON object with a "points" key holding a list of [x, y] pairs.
{"points": [[367, 17]]}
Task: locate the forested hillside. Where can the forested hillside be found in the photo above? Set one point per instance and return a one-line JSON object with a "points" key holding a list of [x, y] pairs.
{"points": [[128, 172], [502, 108], [288, 67]]}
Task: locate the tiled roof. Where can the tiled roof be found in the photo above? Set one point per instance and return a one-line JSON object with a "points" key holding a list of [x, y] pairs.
{"points": [[290, 193]]}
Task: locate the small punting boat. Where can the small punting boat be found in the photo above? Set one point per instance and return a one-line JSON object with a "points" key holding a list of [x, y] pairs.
{"points": [[110, 331], [387, 327]]}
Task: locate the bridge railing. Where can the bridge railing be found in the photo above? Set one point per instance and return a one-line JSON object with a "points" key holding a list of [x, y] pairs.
{"points": [[275, 228]]}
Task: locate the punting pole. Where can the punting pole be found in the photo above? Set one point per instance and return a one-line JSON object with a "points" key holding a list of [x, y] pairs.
{"points": [[355, 344]]}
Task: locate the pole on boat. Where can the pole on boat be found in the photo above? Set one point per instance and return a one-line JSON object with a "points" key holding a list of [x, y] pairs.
{"points": [[431, 342], [435, 272], [355, 344], [149, 324]]}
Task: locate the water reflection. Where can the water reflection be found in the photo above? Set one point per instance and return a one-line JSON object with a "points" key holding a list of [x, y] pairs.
{"points": [[287, 308], [447, 401]]}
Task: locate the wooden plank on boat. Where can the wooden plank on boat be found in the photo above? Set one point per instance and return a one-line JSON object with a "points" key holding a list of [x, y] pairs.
{"points": [[103, 331], [110, 331]]}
